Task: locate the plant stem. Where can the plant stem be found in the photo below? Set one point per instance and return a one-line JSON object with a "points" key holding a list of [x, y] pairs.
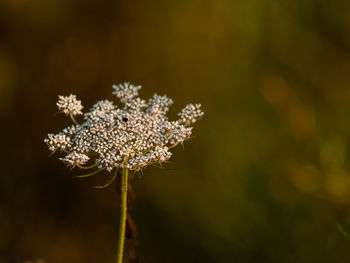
{"points": [[73, 119], [123, 208]]}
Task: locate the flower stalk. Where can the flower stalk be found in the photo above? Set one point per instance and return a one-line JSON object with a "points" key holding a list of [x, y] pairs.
{"points": [[123, 213]]}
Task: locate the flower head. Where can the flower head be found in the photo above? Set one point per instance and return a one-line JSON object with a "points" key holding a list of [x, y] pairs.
{"points": [[191, 113], [75, 158], [126, 91], [132, 136], [69, 105], [58, 141]]}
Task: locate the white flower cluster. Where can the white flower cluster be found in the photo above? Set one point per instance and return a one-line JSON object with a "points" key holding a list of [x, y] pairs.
{"points": [[75, 158], [69, 105], [125, 91], [191, 113], [58, 141], [133, 136]]}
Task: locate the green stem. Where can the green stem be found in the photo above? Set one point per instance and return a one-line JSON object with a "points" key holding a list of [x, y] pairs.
{"points": [[123, 208], [73, 119]]}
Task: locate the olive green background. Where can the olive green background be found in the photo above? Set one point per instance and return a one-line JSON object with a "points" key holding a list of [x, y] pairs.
{"points": [[266, 178]]}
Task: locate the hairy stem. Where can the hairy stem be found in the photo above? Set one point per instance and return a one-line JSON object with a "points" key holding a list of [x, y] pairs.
{"points": [[123, 208]]}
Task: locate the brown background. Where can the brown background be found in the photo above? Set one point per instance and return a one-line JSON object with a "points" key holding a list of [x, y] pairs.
{"points": [[265, 180]]}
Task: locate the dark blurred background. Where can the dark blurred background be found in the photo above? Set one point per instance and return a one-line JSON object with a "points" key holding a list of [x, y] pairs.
{"points": [[267, 178]]}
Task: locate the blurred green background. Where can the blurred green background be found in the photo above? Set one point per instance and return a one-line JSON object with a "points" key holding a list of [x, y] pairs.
{"points": [[267, 178]]}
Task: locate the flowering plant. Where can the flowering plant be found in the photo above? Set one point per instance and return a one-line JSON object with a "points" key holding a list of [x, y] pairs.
{"points": [[129, 138]]}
